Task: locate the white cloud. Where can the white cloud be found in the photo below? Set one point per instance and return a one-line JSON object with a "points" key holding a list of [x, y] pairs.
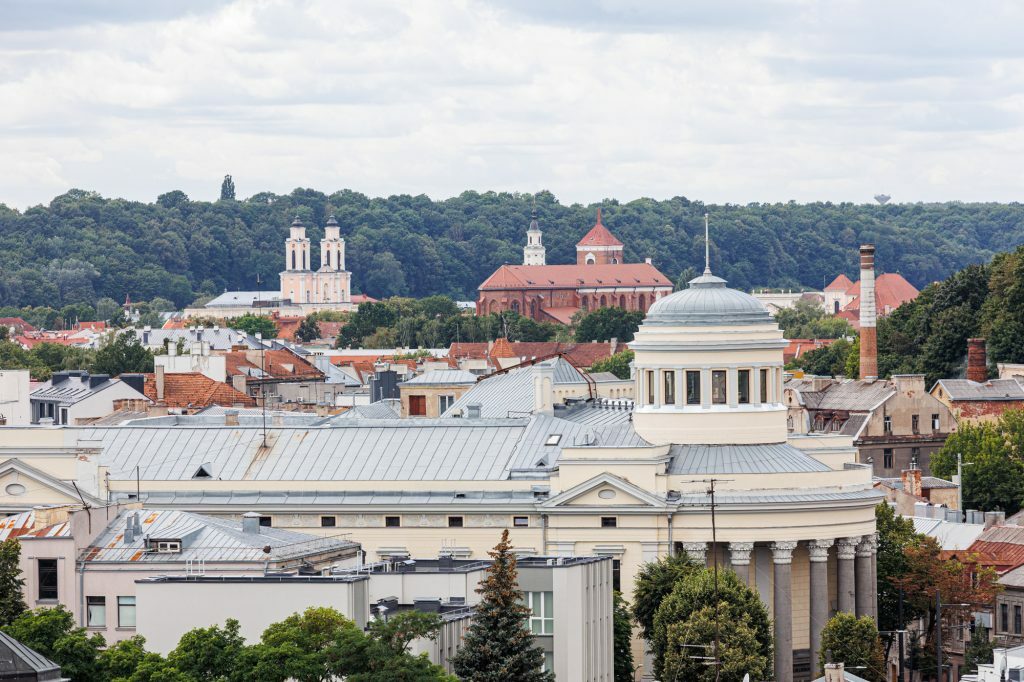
{"points": [[738, 102]]}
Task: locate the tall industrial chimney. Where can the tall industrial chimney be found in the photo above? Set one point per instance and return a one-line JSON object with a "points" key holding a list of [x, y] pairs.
{"points": [[977, 363], [868, 338]]}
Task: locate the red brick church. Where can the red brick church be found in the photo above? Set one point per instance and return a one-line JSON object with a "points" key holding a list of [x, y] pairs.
{"points": [[554, 293]]}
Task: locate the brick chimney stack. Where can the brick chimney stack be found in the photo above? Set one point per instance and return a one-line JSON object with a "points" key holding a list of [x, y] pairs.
{"points": [[868, 338], [977, 363]]}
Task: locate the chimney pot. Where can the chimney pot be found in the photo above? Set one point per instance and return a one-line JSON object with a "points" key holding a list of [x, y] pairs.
{"points": [[231, 418], [977, 362]]}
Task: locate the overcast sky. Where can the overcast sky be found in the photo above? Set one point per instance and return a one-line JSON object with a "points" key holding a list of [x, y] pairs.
{"points": [[721, 101]]}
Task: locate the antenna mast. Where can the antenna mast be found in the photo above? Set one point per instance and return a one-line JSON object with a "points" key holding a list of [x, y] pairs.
{"points": [[707, 248]]}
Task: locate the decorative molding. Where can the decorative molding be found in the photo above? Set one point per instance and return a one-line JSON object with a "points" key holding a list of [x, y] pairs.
{"points": [[739, 553], [866, 547], [818, 550], [782, 551], [847, 547], [698, 551]]}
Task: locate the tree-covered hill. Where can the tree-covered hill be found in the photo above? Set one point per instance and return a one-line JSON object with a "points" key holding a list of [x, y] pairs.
{"points": [[83, 246]]}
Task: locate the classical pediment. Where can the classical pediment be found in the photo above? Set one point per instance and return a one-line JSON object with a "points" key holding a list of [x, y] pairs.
{"points": [[605, 490], [24, 485]]}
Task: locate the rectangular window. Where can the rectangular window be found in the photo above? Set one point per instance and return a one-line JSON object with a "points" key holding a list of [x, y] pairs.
{"points": [[542, 612], [935, 422], [1004, 617], [887, 458], [97, 612], [609, 522], [669, 387], [521, 521], [328, 522], [549, 662], [444, 402], [417, 406], [693, 388], [616, 575], [915, 423], [649, 378], [392, 521], [764, 385], [915, 456], [126, 612], [455, 522], [63, 415], [47, 578], [743, 386], [887, 423], [266, 522], [168, 546], [1016, 619], [718, 394]]}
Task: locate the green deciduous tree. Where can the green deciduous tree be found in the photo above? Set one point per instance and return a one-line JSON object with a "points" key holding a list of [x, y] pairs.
{"points": [[853, 642], [52, 632], [254, 324], [605, 324], [978, 650], [122, 353], [807, 319], [654, 582], [227, 189], [498, 646], [309, 330], [689, 642], [617, 364], [895, 535], [622, 632], [12, 600]]}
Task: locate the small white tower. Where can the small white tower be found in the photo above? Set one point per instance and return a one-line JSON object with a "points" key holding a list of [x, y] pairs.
{"points": [[332, 247], [297, 247], [534, 252]]}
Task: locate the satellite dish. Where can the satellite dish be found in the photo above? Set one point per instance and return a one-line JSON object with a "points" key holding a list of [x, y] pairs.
{"points": [[882, 198]]}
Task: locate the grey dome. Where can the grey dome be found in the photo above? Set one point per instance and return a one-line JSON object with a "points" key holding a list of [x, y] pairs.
{"points": [[708, 302]]}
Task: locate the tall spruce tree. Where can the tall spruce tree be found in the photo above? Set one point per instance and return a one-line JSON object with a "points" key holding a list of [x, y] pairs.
{"points": [[227, 189], [498, 646], [12, 602]]}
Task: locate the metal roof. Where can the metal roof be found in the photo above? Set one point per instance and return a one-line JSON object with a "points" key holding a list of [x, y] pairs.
{"points": [[442, 377], [243, 298], [707, 301], [1014, 578], [73, 388], [203, 538], [20, 662], [219, 338], [772, 458], [950, 535], [781, 497], [598, 413], [995, 389], [336, 498], [851, 395], [382, 409], [511, 394], [604, 377]]}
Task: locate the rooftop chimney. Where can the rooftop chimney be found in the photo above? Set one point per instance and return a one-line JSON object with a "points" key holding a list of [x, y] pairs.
{"points": [[158, 376], [835, 672], [977, 363], [230, 417], [251, 523], [912, 481], [868, 339]]}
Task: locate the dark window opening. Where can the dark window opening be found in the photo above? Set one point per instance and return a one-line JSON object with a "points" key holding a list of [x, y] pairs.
{"points": [[669, 388], [455, 522], [1004, 617], [718, 393], [887, 458], [743, 386], [328, 522], [609, 522], [693, 388], [521, 521], [392, 521], [266, 522], [47, 578], [915, 423], [764, 385]]}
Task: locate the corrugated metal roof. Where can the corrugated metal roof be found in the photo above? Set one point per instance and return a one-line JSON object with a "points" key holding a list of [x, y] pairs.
{"points": [[203, 538], [950, 535], [382, 409], [599, 413], [782, 497], [995, 389], [1014, 578], [442, 377], [511, 394], [851, 395], [770, 458], [16, 657]]}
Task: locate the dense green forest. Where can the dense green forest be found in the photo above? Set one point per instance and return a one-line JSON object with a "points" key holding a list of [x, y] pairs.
{"points": [[83, 247]]}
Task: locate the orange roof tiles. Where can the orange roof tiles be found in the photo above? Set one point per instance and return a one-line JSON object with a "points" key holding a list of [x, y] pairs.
{"points": [[575, 276], [580, 354], [562, 315], [599, 235], [195, 390], [840, 283], [503, 349], [891, 291], [798, 347], [278, 364]]}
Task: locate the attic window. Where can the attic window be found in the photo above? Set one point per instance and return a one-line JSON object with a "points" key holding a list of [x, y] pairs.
{"points": [[553, 439], [541, 463], [168, 546], [204, 471]]}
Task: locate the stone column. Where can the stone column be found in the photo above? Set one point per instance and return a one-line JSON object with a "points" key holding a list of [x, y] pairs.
{"points": [[863, 599], [697, 551], [739, 559], [846, 550], [818, 550], [782, 554], [873, 602]]}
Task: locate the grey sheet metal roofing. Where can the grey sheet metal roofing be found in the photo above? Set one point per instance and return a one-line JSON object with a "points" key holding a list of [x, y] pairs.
{"points": [[781, 497], [442, 377], [708, 301], [995, 389], [244, 500], [203, 538], [511, 394], [20, 662], [852, 395], [382, 409], [598, 413], [774, 458]]}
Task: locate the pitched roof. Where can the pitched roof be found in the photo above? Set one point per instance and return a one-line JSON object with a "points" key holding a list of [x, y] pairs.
{"points": [[20, 662], [579, 354], [502, 349], [891, 291], [442, 377], [195, 390], [275, 364], [850, 395], [598, 236], [994, 389], [840, 283], [574, 276], [798, 347], [562, 314]]}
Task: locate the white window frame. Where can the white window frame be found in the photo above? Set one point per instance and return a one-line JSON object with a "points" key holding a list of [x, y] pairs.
{"points": [[125, 605], [444, 402], [520, 521], [168, 547], [98, 608], [542, 612]]}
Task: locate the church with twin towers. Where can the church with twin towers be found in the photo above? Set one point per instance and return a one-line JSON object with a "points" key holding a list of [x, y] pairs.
{"points": [[330, 285]]}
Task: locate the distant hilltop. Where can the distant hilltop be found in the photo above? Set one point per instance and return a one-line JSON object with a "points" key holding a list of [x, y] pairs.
{"points": [[83, 247]]}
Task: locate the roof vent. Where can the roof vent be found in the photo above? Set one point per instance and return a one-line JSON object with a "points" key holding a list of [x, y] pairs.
{"points": [[251, 523], [205, 470], [473, 411]]}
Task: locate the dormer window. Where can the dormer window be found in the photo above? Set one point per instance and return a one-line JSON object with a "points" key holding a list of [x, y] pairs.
{"points": [[553, 439], [204, 471], [166, 546]]}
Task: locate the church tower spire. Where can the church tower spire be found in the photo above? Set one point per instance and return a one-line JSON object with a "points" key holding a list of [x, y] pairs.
{"points": [[534, 252]]}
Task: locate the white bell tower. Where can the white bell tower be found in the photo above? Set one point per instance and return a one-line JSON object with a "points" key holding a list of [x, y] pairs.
{"points": [[534, 252]]}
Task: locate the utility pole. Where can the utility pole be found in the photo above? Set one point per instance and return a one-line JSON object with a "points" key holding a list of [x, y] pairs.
{"points": [[938, 636], [899, 616], [714, 564]]}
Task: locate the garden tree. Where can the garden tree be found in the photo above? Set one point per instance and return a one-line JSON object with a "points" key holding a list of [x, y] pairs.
{"points": [[52, 632], [605, 324], [895, 534], [120, 661], [617, 364], [254, 324], [122, 353], [211, 653], [807, 319], [978, 650], [13, 356], [687, 616], [227, 189], [498, 646], [853, 642], [654, 582], [12, 602], [959, 580], [622, 636], [683, 281], [109, 310], [382, 654], [830, 360], [309, 330], [57, 357], [995, 451]]}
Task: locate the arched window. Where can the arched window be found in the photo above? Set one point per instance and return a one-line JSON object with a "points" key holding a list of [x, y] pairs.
{"points": [[533, 309], [293, 259], [305, 261], [584, 302], [622, 301], [590, 260], [643, 303], [515, 306], [604, 302], [615, 261]]}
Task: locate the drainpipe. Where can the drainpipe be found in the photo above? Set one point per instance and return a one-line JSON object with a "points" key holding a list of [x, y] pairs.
{"points": [[544, 534], [671, 544], [82, 616]]}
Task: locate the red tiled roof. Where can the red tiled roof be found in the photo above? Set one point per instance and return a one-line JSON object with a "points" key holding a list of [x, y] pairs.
{"points": [[798, 347], [840, 283], [287, 326], [891, 291], [195, 390], [97, 326], [363, 298], [36, 338], [574, 276], [503, 349], [580, 354], [1001, 547], [599, 235], [279, 364], [561, 315], [329, 330], [17, 323]]}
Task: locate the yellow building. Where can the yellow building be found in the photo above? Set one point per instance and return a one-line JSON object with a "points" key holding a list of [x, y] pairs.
{"points": [[794, 514]]}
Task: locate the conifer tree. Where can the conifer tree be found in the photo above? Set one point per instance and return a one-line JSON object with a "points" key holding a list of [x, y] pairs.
{"points": [[12, 603], [498, 646], [227, 189]]}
